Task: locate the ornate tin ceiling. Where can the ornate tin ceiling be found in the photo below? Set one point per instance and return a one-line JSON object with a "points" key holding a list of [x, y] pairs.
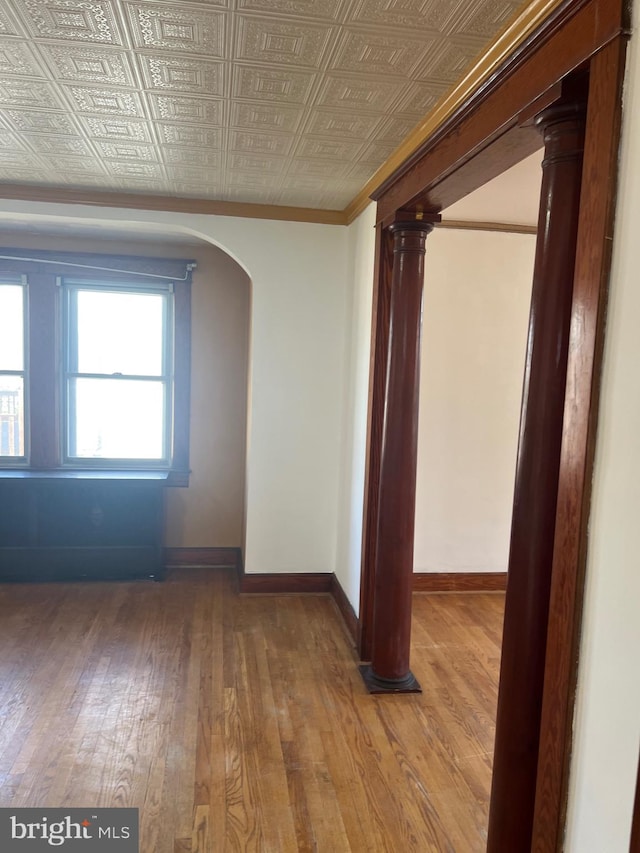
{"points": [[290, 102]]}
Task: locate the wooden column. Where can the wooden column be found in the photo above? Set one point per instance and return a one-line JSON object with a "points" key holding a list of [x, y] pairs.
{"points": [[382, 275], [389, 670], [536, 487]]}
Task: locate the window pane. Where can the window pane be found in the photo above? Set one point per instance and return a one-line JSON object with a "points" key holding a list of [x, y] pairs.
{"points": [[120, 332], [116, 419], [11, 416], [11, 327]]}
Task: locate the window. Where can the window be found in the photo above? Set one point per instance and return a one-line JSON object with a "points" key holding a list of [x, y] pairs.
{"points": [[118, 370], [94, 362], [12, 368]]}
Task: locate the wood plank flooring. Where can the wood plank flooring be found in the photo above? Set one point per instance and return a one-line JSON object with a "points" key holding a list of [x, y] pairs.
{"points": [[240, 723]]}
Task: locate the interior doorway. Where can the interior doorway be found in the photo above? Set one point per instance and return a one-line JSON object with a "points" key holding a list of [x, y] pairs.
{"points": [[489, 133]]}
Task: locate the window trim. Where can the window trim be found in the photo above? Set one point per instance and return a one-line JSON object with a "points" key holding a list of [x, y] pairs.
{"points": [[19, 280], [44, 342], [69, 289]]}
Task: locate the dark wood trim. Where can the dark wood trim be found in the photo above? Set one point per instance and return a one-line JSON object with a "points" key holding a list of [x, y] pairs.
{"points": [[459, 581], [344, 606], [591, 276], [526, 618], [375, 418], [480, 141], [634, 845], [280, 583], [399, 452], [483, 137], [194, 557], [177, 204]]}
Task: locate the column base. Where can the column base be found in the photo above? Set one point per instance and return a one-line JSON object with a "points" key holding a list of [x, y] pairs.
{"points": [[376, 684]]}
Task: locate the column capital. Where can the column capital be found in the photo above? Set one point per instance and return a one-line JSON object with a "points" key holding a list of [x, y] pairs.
{"points": [[421, 222]]}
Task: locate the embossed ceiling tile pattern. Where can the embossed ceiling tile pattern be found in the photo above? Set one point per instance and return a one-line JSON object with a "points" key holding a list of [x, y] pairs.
{"points": [[58, 145], [246, 163], [294, 102], [195, 190], [414, 14], [72, 20], [177, 28], [381, 54], [258, 179], [480, 18], [265, 84], [330, 9], [7, 24], [28, 93], [445, 62], [18, 158], [10, 175], [194, 175], [360, 173], [388, 131], [357, 93], [115, 128], [342, 125], [76, 165], [375, 154], [339, 200], [314, 169], [297, 197], [190, 156], [267, 143], [178, 74], [40, 122], [328, 149], [251, 195], [147, 171], [265, 116], [89, 65], [181, 108], [10, 140], [115, 102], [17, 58], [127, 151], [281, 43], [419, 98], [190, 136]]}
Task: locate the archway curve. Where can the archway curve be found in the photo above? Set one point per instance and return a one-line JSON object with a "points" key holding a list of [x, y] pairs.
{"points": [[212, 512]]}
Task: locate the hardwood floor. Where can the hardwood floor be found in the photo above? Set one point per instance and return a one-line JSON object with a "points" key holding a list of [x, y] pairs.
{"points": [[240, 723]]}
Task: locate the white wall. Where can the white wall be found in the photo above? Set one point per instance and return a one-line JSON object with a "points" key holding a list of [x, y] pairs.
{"points": [[475, 315], [297, 352], [607, 722], [361, 237]]}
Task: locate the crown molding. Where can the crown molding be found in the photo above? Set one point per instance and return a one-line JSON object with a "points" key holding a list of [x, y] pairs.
{"points": [[176, 204], [503, 45]]}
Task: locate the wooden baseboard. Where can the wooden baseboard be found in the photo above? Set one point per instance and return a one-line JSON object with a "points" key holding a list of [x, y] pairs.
{"points": [[210, 557], [460, 582], [283, 583], [344, 606]]}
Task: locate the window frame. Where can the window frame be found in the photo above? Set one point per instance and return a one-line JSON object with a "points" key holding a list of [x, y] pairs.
{"points": [[70, 288], [20, 280], [45, 341]]}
